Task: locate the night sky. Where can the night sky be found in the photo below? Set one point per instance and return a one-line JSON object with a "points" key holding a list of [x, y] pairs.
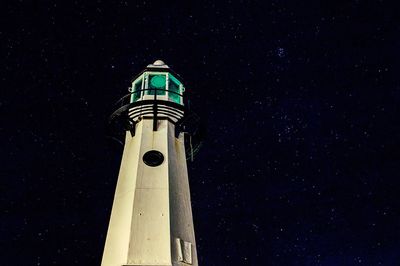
{"points": [[301, 100]]}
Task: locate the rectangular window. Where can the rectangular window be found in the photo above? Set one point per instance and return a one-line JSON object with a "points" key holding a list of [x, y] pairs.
{"points": [[174, 89], [137, 90], [187, 252], [184, 251]]}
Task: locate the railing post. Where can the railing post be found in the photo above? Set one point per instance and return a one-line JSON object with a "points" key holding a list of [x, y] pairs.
{"points": [[155, 122]]}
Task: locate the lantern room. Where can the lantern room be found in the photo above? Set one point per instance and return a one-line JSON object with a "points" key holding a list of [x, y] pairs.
{"points": [[157, 81], [156, 94]]}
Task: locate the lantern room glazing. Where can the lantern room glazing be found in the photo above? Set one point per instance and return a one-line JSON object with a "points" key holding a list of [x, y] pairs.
{"points": [[159, 85]]}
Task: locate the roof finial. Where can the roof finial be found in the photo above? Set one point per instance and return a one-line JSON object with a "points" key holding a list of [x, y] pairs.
{"points": [[158, 63]]}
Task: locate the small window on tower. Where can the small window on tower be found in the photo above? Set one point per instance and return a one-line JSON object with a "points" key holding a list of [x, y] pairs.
{"points": [[184, 251], [156, 84]]}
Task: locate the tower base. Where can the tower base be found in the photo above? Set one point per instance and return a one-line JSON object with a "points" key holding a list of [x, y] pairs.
{"points": [[151, 221]]}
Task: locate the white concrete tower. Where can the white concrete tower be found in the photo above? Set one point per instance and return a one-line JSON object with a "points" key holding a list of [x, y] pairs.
{"points": [[151, 220]]}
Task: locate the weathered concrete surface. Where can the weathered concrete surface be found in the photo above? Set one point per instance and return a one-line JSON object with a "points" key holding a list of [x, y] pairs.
{"points": [[151, 206]]}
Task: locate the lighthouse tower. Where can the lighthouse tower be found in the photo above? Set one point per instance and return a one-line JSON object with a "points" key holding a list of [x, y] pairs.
{"points": [[151, 220]]}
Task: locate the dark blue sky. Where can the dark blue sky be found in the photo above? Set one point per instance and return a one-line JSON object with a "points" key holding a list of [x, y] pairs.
{"points": [[301, 101]]}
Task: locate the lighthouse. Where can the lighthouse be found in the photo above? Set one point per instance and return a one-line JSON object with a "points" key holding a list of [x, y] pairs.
{"points": [[151, 220]]}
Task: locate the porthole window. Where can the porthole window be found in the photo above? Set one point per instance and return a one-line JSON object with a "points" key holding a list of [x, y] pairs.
{"points": [[153, 158]]}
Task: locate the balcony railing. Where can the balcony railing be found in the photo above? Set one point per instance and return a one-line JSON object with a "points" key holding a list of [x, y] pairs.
{"points": [[166, 96]]}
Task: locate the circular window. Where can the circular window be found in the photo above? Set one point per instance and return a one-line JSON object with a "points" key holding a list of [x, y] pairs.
{"points": [[153, 158], [158, 81]]}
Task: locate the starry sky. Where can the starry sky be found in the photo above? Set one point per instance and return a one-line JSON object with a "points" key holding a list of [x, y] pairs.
{"points": [[301, 100]]}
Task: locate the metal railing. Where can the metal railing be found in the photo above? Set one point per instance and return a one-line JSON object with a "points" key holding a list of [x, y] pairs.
{"points": [[190, 123], [126, 99]]}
